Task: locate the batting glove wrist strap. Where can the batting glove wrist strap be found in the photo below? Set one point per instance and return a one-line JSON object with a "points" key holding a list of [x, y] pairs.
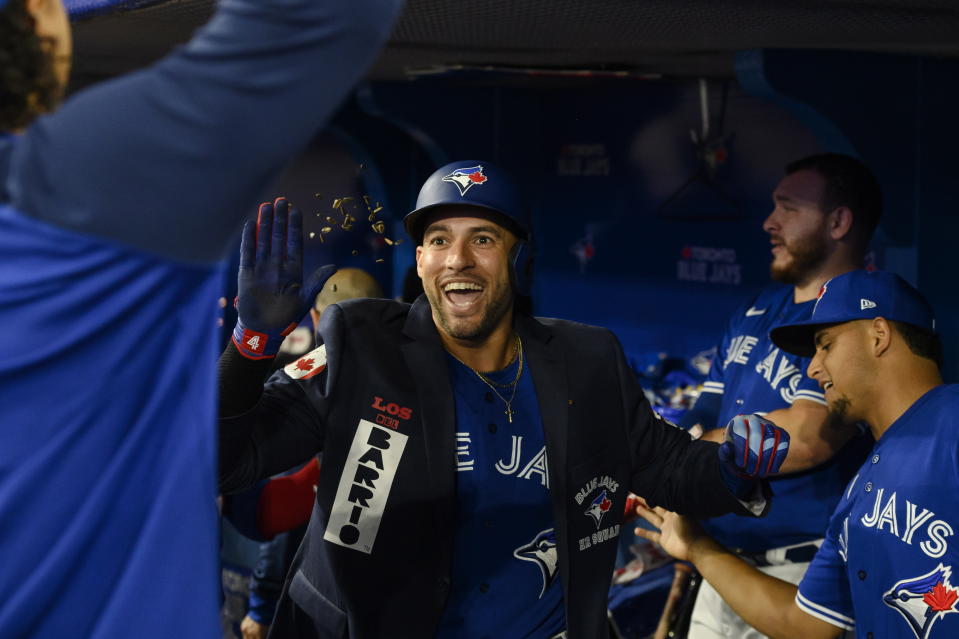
{"points": [[254, 344]]}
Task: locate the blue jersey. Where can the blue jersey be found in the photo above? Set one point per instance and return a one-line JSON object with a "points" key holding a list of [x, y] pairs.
{"points": [[753, 376], [505, 571], [113, 214], [888, 564]]}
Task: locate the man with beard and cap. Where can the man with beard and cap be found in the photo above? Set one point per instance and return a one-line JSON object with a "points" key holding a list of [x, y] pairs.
{"points": [[476, 459], [116, 212], [885, 568], [826, 208]]}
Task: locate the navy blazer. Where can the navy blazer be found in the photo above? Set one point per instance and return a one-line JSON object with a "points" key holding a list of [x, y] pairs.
{"points": [[376, 399]]}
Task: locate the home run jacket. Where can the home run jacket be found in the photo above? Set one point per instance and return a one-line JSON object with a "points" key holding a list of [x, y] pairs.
{"points": [[376, 399]]}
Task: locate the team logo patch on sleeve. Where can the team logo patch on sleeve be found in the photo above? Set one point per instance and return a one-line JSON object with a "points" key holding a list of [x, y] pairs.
{"points": [[313, 363], [597, 508], [542, 552], [922, 601], [365, 486]]}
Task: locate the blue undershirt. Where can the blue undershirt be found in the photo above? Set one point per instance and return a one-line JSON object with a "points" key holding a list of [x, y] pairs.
{"points": [[505, 580]]}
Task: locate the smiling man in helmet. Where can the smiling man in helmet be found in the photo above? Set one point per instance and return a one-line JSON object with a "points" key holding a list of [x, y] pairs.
{"points": [[476, 459]]}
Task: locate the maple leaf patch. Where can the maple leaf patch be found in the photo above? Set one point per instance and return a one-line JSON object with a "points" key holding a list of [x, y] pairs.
{"points": [[313, 363], [940, 598]]}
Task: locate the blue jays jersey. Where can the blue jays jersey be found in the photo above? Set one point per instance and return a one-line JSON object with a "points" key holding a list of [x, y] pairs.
{"points": [[108, 523], [505, 580], [887, 566], [753, 376]]}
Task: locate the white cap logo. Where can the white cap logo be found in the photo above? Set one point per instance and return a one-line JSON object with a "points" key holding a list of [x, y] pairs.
{"points": [[864, 304]]}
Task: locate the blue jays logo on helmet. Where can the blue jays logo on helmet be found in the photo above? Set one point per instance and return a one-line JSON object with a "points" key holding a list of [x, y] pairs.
{"points": [[542, 552], [922, 601], [466, 178], [598, 507]]}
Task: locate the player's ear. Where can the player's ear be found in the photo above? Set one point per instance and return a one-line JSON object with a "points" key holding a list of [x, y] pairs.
{"points": [[840, 222], [419, 257], [880, 336]]}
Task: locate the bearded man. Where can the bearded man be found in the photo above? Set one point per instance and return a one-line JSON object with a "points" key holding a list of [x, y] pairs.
{"points": [[476, 460], [826, 208]]}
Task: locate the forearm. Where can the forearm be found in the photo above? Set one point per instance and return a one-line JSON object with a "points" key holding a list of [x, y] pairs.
{"points": [[764, 602], [689, 481], [240, 381], [813, 441]]}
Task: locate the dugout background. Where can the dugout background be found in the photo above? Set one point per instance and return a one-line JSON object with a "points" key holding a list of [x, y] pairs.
{"points": [[591, 104]]}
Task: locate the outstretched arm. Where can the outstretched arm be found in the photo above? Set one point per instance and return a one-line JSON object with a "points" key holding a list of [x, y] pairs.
{"points": [[812, 440], [765, 603], [264, 432], [170, 158]]}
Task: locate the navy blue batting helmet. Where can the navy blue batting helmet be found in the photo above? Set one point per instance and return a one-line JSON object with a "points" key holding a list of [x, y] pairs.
{"points": [[472, 183]]}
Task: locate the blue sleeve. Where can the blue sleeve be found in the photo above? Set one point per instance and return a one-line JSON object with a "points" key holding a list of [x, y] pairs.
{"points": [[824, 590], [704, 412], [171, 158], [709, 403]]}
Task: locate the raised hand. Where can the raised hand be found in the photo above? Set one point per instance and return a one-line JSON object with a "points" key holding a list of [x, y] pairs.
{"points": [[753, 448], [272, 295]]}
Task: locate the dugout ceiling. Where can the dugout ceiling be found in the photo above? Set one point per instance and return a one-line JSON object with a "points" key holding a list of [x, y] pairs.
{"points": [[636, 38]]}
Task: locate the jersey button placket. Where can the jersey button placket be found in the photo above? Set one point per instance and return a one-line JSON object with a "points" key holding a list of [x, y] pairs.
{"points": [[862, 575]]}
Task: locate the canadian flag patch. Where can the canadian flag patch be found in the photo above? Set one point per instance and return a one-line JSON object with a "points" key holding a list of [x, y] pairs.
{"points": [[313, 363]]}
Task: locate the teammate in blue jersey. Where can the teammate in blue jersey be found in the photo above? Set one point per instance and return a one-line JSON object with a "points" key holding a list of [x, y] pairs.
{"points": [[826, 208], [476, 459], [886, 567], [115, 211]]}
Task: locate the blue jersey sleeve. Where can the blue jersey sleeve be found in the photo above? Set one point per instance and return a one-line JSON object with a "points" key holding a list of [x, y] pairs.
{"points": [[709, 403], [824, 590], [171, 158]]}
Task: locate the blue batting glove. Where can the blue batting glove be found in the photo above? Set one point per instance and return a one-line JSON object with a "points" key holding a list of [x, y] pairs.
{"points": [[272, 295], [754, 448]]}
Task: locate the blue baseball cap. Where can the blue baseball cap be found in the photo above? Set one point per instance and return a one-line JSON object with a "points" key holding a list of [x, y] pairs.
{"points": [[857, 295], [470, 183]]}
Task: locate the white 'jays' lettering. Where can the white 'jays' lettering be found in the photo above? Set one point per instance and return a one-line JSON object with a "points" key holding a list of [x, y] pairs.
{"points": [[537, 465], [884, 517]]}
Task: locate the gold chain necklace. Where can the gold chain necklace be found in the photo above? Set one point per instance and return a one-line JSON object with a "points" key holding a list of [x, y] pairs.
{"points": [[518, 350]]}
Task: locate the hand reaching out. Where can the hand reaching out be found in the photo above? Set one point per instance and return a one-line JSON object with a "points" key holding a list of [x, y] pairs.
{"points": [[677, 534]]}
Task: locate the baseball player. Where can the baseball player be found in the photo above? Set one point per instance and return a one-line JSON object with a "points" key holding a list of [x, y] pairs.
{"points": [[476, 460], [886, 566], [826, 208], [115, 212]]}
